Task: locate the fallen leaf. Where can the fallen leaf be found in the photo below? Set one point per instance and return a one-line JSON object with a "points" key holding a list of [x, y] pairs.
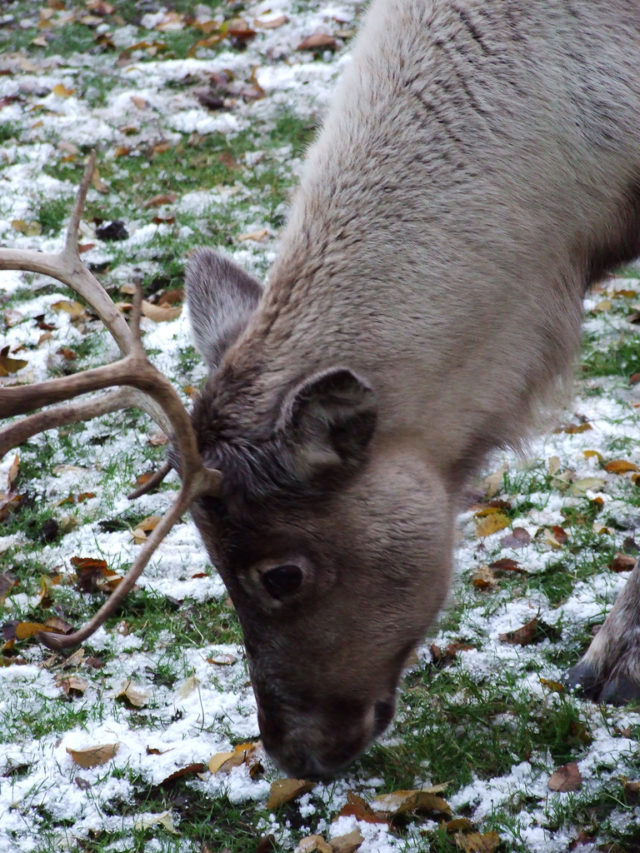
{"points": [[620, 466], [360, 809], [459, 824], [506, 564], [189, 770], [348, 843], [565, 778], [158, 200], [401, 802], [271, 23], [483, 578], [523, 636], [571, 429], [313, 844], [489, 523], [318, 41], [475, 842], [586, 484], [61, 91], [518, 538], [159, 314], [12, 318], [443, 657], [631, 791], [73, 685], [593, 454], [147, 525], [553, 686], [94, 756], [148, 820], [285, 790], [222, 762], [257, 236], [7, 583], [94, 575], [221, 660], [14, 470], [622, 563], [10, 365], [135, 697], [74, 309]]}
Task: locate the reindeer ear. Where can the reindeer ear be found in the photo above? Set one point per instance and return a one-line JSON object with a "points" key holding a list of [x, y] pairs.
{"points": [[221, 299], [328, 421]]}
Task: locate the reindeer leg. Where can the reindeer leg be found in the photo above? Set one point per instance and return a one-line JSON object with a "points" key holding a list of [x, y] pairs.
{"points": [[610, 669]]}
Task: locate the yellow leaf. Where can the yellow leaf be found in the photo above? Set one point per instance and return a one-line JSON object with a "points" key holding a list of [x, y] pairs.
{"points": [[488, 524], [24, 630], [73, 309], [94, 756], [284, 790], [400, 802], [553, 686], [256, 236], [30, 229], [61, 91], [586, 484], [593, 454]]}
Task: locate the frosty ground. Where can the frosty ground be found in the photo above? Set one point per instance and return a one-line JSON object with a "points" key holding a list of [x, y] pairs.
{"points": [[200, 115]]}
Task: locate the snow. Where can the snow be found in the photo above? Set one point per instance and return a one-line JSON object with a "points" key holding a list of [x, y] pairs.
{"points": [[213, 705]]}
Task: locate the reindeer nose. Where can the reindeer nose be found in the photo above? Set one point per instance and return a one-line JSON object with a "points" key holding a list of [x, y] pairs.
{"points": [[317, 744]]}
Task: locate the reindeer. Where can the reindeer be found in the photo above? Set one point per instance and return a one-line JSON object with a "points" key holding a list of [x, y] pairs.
{"points": [[478, 169]]}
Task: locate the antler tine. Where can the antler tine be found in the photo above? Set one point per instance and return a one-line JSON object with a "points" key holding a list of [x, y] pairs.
{"points": [[124, 398], [67, 267], [205, 482]]}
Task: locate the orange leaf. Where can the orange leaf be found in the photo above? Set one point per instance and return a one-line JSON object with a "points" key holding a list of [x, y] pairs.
{"points": [[620, 466], [284, 790]]}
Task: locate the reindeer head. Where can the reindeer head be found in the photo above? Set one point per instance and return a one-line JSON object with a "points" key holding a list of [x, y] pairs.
{"points": [[333, 542]]}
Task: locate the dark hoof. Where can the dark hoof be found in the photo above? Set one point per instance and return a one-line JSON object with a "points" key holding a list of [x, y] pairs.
{"points": [[583, 679], [620, 691]]}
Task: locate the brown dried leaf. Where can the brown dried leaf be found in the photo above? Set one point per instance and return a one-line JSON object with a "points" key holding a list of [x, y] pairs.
{"points": [[313, 844], [271, 23], [318, 41], [518, 538], [158, 200], [483, 578], [94, 756], [565, 778], [244, 753], [9, 503], [572, 429], [622, 563], [135, 697], [506, 564], [360, 809], [443, 657], [348, 843], [475, 842], [14, 469], [285, 790], [73, 685], [521, 636], [459, 824], [7, 583], [256, 236], [159, 314], [189, 770]]}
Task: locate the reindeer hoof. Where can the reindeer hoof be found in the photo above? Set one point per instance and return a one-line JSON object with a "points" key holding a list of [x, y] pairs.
{"points": [[584, 680], [620, 690]]}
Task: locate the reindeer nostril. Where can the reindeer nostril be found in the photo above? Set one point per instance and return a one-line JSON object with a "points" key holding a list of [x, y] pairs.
{"points": [[382, 715]]}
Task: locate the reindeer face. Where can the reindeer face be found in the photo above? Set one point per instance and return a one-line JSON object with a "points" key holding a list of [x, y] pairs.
{"points": [[333, 591]]}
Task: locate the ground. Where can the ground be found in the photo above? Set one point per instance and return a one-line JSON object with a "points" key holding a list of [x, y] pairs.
{"points": [[200, 116]]}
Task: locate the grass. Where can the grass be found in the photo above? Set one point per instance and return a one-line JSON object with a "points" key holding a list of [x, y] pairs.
{"points": [[477, 719]]}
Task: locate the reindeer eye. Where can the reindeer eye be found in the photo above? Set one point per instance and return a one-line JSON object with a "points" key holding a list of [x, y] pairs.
{"points": [[282, 581]]}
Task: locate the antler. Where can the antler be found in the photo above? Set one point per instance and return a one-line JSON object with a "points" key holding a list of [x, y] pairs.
{"points": [[139, 384]]}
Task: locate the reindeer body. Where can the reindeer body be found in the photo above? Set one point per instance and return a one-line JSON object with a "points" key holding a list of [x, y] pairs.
{"points": [[478, 169]]}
